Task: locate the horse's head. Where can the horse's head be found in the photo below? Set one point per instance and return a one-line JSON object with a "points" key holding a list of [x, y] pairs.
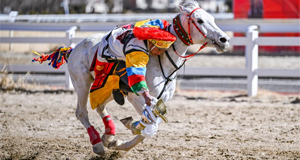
{"points": [[200, 27]]}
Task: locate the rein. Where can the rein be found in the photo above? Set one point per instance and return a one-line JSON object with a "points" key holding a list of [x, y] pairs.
{"points": [[187, 40], [169, 79]]}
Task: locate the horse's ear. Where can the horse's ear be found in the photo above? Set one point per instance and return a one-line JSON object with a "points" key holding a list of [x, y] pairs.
{"points": [[187, 6], [198, 4], [180, 7]]}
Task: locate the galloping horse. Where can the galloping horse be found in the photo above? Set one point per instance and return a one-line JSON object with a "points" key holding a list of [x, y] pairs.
{"points": [[192, 26]]}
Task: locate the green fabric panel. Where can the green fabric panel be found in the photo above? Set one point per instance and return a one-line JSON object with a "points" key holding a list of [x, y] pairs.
{"points": [[137, 87]]}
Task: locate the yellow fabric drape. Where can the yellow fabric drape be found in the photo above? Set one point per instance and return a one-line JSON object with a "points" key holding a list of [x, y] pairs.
{"points": [[100, 95]]}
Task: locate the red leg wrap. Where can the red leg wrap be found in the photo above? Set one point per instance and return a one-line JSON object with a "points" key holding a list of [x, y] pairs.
{"points": [[109, 125], [94, 135]]}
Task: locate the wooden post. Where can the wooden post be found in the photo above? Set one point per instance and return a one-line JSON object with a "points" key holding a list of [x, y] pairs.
{"points": [[252, 60]]}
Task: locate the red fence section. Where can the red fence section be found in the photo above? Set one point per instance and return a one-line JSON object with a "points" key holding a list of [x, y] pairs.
{"points": [[269, 9]]}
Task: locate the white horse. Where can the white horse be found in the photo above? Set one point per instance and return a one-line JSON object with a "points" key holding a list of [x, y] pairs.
{"points": [[192, 21]]}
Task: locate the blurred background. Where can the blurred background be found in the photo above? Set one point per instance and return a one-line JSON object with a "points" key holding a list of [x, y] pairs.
{"points": [[55, 18], [105, 6]]}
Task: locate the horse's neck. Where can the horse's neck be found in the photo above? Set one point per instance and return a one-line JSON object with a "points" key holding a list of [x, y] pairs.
{"points": [[180, 48], [156, 69]]}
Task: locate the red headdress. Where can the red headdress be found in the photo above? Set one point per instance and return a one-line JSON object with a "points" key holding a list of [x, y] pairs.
{"points": [[159, 37]]}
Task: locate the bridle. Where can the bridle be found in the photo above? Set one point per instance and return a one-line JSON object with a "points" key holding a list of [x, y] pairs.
{"points": [[187, 40]]}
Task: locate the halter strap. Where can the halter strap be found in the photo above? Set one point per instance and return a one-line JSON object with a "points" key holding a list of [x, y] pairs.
{"points": [[189, 16], [186, 38]]}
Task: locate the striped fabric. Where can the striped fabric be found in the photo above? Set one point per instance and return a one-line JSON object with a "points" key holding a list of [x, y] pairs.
{"points": [[136, 60], [136, 71]]}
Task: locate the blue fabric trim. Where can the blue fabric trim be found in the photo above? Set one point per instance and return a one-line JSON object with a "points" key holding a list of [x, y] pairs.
{"points": [[155, 22], [136, 71]]}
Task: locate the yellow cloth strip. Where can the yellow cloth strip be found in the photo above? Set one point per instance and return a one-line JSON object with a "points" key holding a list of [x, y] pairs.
{"points": [[137, 59]]}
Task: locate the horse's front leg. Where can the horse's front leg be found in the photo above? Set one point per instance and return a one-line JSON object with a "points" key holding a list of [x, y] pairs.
{"points": [[138, 103], [126, 145]]}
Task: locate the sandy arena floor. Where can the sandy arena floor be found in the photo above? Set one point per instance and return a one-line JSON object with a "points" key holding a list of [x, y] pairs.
{"points": [[202, 125]]}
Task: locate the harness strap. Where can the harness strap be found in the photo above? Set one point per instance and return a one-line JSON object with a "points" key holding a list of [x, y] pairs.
{"points": [[168, 78], [183, 38], [170, 59]]}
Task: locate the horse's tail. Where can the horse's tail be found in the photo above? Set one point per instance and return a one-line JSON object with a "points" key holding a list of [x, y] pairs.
{"points": [[57, 57]]}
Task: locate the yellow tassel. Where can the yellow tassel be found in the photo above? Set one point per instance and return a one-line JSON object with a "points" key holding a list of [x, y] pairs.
{"points": [[35, 52]]}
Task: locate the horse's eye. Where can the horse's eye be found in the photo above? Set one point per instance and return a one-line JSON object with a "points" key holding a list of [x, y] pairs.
{"points": [[200, 21]]}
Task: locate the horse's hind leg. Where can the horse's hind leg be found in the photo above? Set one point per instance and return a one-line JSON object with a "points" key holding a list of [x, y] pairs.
{"points": [[82, 83], [110, 129]]}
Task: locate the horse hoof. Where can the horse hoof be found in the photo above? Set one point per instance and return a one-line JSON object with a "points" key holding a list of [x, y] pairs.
{"points": [[98, 148], [115, 144], [106, 139]]}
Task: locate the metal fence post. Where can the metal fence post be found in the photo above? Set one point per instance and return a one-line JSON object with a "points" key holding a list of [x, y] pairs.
{"points": [[252, 60]]}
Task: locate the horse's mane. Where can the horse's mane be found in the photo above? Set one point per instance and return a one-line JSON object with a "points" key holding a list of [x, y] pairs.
{"points": [[188, 6]]}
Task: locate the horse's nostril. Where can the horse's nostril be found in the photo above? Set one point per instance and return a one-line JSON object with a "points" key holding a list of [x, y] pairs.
{"points": [[223, 40]]}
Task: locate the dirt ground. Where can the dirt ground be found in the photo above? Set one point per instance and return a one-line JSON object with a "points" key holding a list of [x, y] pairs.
{"points": [[202, 125]]}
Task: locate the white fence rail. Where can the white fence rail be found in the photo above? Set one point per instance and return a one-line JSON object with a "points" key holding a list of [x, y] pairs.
{"points": [[236, 25], [97, 17], [68, 40], [251, 70]]}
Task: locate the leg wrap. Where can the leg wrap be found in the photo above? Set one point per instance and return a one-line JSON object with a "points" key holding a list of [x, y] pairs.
{"points": [[109, 125], [94, 135]]}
